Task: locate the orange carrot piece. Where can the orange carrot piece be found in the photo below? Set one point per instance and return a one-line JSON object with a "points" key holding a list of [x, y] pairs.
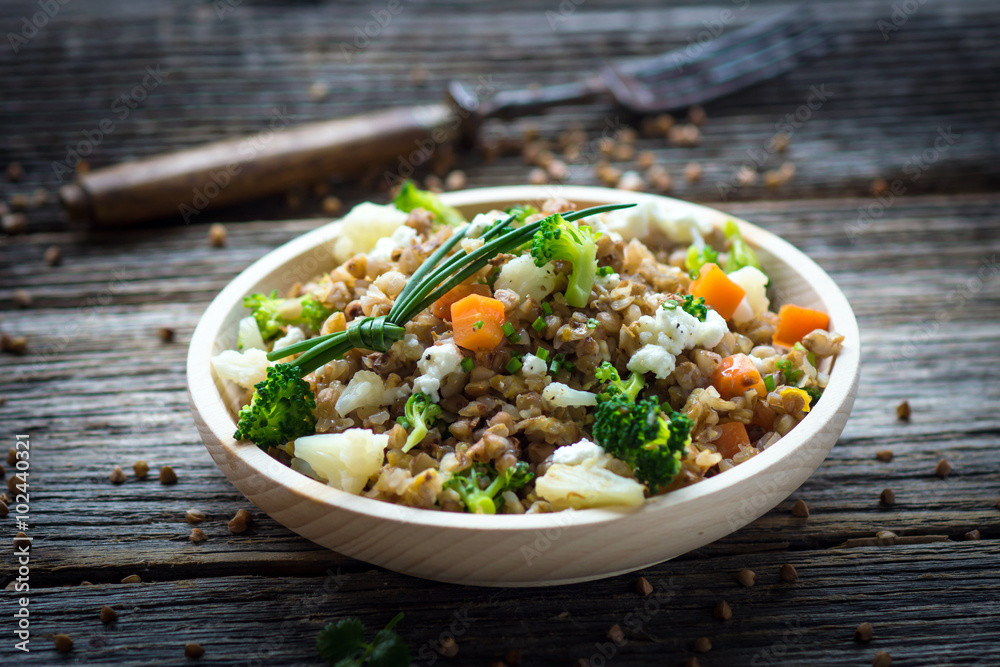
{"points": [[735, 375], [794, 322], [442, 307], [477, 321], [732, 435], [718, 290]]}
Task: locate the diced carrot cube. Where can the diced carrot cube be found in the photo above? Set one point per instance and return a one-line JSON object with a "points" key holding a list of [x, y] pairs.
{"points": [[735, 375], [732, 435], [477, 321], [442, 307], [794, 322], [718, 290]]}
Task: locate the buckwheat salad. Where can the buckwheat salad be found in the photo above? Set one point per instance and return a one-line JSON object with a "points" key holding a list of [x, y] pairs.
{"points": [[527, 360]]}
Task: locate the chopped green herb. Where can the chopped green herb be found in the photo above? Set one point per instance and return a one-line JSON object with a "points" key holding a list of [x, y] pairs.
{"points": [[542, 354], [468, 364], [547, 308], [812, 359], [592, 323], [513, 366], [799, 346], [605, 271], [343, 645], [538, 324], [740, 253], [670, 305], [698, 257], [491, 279], [695, 307], [477, 325], [556, 365], [508, 330], [814, 394], [769, 382], [792, 374]]}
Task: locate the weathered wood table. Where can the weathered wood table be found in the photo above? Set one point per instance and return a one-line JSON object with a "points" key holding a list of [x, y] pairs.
{"points": [[910, 92]]}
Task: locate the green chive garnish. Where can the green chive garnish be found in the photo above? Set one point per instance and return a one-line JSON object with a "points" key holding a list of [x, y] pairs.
{"points": [[538, 324], [513, 366], [769, 382], [542, 354], [592, 323], [547, 308], [468, 364]]}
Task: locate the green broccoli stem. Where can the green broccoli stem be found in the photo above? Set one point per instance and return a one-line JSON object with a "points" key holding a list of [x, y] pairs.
{"points": [[476, 500], [581, 280]]}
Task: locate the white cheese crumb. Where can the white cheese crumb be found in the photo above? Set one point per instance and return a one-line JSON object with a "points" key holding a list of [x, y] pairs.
{"points": [[527, 280], [583, 452], [668, 334], [532, 366], [437, 362], [635, 222], [400, 238], [560, 395]]}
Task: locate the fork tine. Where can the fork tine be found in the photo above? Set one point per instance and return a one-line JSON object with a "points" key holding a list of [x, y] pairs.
{"points": [[760, 51]]}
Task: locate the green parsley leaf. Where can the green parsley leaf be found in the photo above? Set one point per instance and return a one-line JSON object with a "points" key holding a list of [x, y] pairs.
{"points": [[468, 364], [342, 641], [695, 307]]}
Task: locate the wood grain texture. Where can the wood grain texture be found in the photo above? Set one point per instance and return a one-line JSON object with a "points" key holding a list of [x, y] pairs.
{"points": [[89, 407]]}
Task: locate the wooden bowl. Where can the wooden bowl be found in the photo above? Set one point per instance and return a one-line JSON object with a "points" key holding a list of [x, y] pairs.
{"points": [[520, 550]]}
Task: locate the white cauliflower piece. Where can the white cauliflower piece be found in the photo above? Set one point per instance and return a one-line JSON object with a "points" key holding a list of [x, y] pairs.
{"points": [[248, 336], [754, 283], [560, 395], [581, 486], [583, 452], [245, 368], [668, 334], [363, 226], [365, 390], [344, 460], [532, 366], [481, 222], [438, 361], [635, 222], [400, 238], [292, 336], [522, 276]]}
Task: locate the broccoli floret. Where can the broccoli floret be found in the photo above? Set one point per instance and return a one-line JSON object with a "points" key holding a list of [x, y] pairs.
{"points": [[630, 388], [521, 212], [697, 257], [281, 409], [273, 313], [740, 253], [410, 197], [480, 500], [420, 413], [643, 436], [558, 239]]}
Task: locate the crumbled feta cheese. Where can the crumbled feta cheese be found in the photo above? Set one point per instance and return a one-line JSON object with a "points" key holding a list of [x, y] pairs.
{"points": [[392, 395], [344, 460], [363, 226], [245, 368], [635, 222], [520, 275], [248, 336], [754, 283], [609, 281], [668, 334], [583, 452], [561, 396], [438, 361], [532, 366], [579, 487], [365, 390], [400, 238]]}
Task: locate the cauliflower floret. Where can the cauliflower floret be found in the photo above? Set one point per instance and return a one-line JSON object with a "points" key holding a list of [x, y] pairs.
{"points": [[522, 276], [584, 453], [438, 361], [481, 222], [668, 334], [579, 487], [364, 390], [245, 368], [532, 366], [249, 335], [609, 281], [754, 283], [561, 396], [363, 226], [400, 238], [292, 336], [344, 460]]}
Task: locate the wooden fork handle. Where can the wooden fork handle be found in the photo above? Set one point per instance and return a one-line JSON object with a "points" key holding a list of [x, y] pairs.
{"points": [[274, 160]]}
